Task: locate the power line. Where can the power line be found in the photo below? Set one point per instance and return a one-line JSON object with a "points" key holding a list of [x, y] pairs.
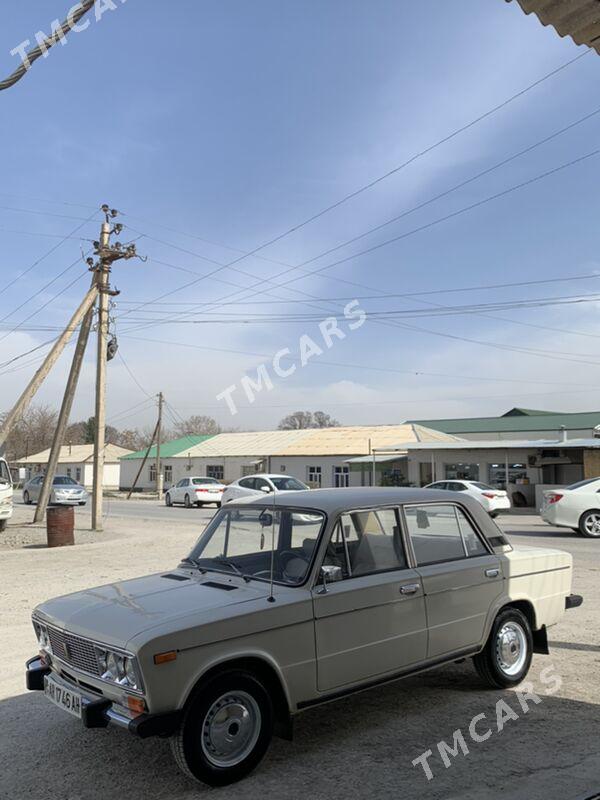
{"points": [[49, 41]]}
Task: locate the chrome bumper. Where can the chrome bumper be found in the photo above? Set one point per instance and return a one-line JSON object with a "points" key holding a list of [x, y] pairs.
{"points": [[100, 712]]}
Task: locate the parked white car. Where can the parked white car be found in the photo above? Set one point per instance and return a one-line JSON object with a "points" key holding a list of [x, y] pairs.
{"points": [[255, 485], [288, 601], [576, 506], [493, 500], [65, 491], [6, 494], [195, 491]]}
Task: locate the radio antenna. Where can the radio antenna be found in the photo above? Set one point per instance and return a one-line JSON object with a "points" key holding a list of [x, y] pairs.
{"points": [[271, 598]]}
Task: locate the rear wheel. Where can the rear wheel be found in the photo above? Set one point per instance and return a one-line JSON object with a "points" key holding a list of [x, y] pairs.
{"points": [[589, 524], [226, 729], [187, 502], [26, 498], [506, 657]]}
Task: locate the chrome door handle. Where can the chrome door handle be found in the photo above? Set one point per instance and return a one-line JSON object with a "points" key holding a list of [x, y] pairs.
{"points": [[409, 588], [492, 573]]}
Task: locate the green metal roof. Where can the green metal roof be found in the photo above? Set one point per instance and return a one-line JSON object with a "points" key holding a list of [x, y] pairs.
{"points": [[529, 412], [170, 449], [514, 423]]}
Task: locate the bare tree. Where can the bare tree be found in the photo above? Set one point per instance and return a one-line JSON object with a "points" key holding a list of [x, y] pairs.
{"points": [[197, 425], [32, 433], [301, 420]]}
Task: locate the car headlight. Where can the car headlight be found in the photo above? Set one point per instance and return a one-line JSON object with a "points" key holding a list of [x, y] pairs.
{"points": [[118, 668], [41, 631]]}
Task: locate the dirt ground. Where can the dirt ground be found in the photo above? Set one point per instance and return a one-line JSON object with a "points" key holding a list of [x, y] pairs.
{"points": [[360, 747]]}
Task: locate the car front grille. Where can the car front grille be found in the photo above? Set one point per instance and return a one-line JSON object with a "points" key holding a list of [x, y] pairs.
{"points": [[74, 650]]}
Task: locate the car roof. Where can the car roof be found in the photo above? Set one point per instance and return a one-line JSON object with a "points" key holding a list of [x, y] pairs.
{"points": [[266, 475]]}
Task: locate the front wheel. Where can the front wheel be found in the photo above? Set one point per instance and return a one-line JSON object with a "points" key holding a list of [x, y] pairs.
{"points": [[589, 524], [506, 657], [168, 501], [226, 729]]}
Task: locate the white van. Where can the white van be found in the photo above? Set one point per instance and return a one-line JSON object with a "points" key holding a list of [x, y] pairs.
{"points": [[6, 494]]}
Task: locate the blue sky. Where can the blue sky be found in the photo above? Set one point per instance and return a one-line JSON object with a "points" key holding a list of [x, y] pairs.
{"points": [[229, 123]]}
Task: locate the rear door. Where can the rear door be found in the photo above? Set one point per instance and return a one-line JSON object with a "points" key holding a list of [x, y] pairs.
{"points": [[373, 621], [461, 576]]}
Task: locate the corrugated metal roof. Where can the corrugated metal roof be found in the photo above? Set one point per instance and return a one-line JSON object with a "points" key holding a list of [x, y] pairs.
{"points": [[509, 444], [529, 412], [514, 424], [579, 19], [77, 454], [172, 448], [351, 441]]}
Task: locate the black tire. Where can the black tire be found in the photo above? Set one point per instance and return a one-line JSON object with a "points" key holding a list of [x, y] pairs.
{"points": [[168, 501], [187, 502], [81, 504], [199, 505], [192, 746], [588, 521], [489, 663], [3, 524], [26, 498], [218, 505], [494, 514]]}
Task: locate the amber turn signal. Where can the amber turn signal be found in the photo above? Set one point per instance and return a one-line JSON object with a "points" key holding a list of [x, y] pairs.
{"points": [[136, 704], [164, 658]]}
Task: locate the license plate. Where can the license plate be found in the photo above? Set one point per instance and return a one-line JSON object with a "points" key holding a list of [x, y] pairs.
{"points": [[63, 698]]}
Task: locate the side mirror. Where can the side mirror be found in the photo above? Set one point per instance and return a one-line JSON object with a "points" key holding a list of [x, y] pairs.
{"points": [[329, 574], [265, 489]]}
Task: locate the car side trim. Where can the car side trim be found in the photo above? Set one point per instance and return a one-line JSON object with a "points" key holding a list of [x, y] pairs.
{"points": [[470, 651]]}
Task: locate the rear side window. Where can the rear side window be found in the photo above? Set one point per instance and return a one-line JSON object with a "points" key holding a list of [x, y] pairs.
{"points": [[441, 533]]}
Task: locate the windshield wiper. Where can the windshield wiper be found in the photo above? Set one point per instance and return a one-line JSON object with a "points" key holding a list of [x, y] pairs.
{"points": [[195, 563], [227, 563]]}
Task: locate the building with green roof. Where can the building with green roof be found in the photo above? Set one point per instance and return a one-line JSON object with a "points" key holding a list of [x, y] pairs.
{"points": [[519, 423], [169, 451]]}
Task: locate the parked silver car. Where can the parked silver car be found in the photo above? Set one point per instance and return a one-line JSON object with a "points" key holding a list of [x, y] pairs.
{"points": [[65, 491], [291, 600]]}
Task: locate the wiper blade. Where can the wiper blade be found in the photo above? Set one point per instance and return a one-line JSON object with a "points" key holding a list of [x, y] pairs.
{"points": [[195, 563], [227, 563]]}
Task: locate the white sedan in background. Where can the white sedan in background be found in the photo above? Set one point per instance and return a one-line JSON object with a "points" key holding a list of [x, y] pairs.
{"points": [[195, 492], [493, 500], [576, 506], [253, 485], [65, 491]]}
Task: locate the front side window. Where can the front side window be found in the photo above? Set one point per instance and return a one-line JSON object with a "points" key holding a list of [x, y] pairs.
{"points": [[365, 543], [247, 540], [4, 472], [441, 533]]}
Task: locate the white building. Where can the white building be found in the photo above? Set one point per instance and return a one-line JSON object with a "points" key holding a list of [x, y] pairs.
{"points": [[76, 461]]}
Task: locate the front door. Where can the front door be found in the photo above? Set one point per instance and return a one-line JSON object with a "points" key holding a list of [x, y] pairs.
{"points": [[461, 578], [372, 622]]}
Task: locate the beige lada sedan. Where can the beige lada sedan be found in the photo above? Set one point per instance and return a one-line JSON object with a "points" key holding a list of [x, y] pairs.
{"points": [[292, 600]]}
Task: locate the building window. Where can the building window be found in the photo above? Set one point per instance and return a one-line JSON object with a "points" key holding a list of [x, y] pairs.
{"points": [[168, 473], [152, 473], [313, 475], [461, 472], [215, 471], [341, 477], [78, 474], [517, 473], [69, 472], [282, 468]]}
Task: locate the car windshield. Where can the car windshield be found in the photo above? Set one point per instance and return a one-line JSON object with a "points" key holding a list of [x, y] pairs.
{"points": [[248, 540], [63, 480], [200, 481], [580, 484], [288, 484]]}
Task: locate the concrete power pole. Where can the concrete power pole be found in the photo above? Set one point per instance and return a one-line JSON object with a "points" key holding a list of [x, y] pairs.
{"points": [[107, 255], [159, 474]]}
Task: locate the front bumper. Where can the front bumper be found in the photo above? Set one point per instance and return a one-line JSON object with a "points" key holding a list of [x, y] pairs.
{"points": [[99, 712], [573, 601]]}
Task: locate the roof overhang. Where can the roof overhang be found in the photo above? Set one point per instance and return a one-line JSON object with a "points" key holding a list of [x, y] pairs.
{"points": [[579, 19]]}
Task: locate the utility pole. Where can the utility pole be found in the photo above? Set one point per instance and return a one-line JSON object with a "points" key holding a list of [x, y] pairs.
{"points": [[159, 475], [107, 255]]}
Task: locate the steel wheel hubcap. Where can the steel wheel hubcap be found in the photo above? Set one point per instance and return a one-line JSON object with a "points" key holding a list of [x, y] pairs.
{"points": [[230, 729], [511, 648], [592, 524]]}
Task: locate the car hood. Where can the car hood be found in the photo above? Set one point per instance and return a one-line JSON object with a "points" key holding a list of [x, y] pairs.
{"points": [[116, 612]]}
